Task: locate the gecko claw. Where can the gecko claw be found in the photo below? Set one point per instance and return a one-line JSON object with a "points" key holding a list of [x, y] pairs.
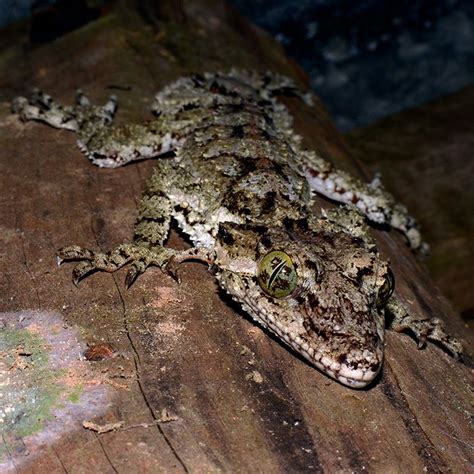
{"points": [[132, 275], [81, 270], [171, 269], [421, 342]]}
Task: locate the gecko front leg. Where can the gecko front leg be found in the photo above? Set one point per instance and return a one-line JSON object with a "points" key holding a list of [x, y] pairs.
{"points": [[139, 256], [105, 145], [423, 329], [399, 319], [146, 250]]}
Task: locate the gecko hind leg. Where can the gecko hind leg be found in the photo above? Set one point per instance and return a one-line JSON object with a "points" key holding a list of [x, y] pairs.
{"points": [[423, 329], [42, 107], [105, 145], [371, 199]]}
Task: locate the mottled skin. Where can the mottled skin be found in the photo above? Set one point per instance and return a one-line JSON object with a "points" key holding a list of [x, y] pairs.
{"points": [[235, 179], [331, 318]]}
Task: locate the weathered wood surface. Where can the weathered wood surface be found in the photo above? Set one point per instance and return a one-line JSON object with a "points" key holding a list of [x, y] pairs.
{"points": [[425, 156], [243, 402]]}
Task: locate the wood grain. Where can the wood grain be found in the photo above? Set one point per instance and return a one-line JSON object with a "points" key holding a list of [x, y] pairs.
{"points": [[243, 402]]}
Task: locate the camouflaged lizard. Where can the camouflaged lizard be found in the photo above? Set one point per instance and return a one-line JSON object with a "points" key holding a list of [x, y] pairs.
{"points": [[233, 176]]}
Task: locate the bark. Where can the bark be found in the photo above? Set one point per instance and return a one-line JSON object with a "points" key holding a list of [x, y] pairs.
{"points": [[193, 384]]}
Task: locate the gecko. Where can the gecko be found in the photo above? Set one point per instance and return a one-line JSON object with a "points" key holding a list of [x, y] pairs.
{"points": [[234, 177]]}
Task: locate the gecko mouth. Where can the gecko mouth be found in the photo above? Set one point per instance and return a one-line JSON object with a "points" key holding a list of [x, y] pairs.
{"points": [[355, 375], [354, 378], [360, 370]]}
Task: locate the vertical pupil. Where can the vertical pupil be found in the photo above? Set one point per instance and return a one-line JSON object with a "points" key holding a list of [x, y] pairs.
{"points": [[276, 272], [276, 275]]}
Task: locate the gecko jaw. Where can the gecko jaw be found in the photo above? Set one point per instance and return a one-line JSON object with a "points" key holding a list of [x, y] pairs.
{"points": [[343, 373], [354, 378]]}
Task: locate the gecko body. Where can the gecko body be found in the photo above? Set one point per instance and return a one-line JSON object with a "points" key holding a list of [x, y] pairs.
{"points": [[232, 174]]}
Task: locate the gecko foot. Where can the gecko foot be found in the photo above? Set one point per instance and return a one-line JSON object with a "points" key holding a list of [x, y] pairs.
{"points": [[423, 329], [140, 258]]}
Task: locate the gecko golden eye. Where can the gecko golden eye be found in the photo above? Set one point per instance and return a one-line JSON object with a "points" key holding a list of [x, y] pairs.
{"points": [[276, 274], [386, 289]]}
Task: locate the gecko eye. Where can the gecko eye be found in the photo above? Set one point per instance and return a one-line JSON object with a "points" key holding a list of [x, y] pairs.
{"points": [[386, 289], [276, 274]]}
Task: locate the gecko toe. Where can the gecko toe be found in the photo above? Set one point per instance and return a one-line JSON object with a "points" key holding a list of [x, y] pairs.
{"points": [[131, 277], [74, 252], [171, 269], [18, 104], [81, 270]]}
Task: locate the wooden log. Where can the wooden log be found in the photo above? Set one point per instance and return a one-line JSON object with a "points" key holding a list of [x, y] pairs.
{"points": [[192, 384]]}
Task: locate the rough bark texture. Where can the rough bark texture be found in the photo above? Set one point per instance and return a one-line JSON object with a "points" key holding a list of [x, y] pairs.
{"points": [[238, 400]]}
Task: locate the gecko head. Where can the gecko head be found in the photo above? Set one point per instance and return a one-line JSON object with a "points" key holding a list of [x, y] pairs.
{"points": [[322, 293]]}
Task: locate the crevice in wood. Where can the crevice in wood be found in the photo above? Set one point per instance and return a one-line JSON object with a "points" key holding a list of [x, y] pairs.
{"points": [[136, 360], [422, 443], [97, 436], [28, 269], [59, 459]]}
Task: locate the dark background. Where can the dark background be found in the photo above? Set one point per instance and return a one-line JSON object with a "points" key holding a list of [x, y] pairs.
{"points": [[366, 59]]}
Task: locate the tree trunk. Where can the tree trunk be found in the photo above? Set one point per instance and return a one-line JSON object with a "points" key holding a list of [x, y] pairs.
{"points": [[176, 378]]}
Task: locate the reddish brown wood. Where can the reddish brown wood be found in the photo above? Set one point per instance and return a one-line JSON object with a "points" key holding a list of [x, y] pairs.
{"points": [[243, 401]]}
